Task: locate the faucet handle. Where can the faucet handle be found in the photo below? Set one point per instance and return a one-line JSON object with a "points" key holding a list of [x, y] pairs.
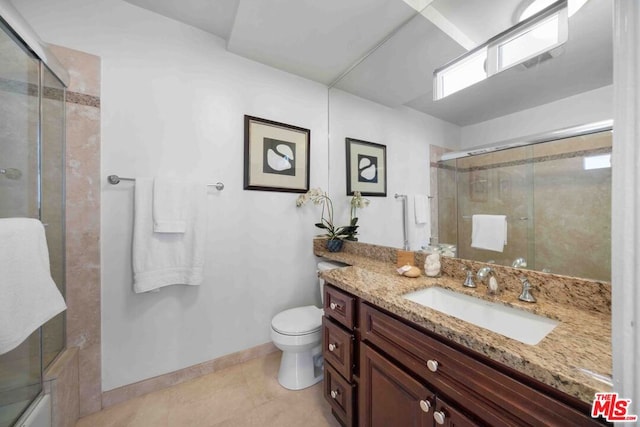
{"points": [[525, 295], [468, 281]]}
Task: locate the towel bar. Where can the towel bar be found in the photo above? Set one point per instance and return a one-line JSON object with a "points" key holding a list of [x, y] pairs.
{"points": [[521, 218], [115, 179]]}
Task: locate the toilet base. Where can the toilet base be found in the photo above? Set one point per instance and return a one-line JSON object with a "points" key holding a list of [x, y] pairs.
{"points": [[302, 369]]}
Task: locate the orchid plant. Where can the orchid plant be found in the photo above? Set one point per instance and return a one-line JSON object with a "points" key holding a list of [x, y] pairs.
{"points": [[333, 232]]}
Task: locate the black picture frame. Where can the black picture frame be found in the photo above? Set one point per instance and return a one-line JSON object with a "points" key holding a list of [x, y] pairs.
{"points": [[366, 168], [276, 156]]}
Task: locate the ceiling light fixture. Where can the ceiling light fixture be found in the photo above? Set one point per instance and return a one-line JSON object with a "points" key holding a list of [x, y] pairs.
{"points": [[522, 43]]}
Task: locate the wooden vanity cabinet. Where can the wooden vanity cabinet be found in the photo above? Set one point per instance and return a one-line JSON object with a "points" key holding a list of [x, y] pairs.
{"points": [[381, 370], [468, 391], [339, 338]]}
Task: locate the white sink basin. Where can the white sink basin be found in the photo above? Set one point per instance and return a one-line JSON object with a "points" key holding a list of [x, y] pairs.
{"points": [[511, 322]]}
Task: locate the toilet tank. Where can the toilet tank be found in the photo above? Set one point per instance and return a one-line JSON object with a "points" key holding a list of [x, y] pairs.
{"points": [[326, 266]]}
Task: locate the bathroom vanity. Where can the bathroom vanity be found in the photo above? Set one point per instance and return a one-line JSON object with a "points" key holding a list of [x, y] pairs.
{"points": [[391, 361]]}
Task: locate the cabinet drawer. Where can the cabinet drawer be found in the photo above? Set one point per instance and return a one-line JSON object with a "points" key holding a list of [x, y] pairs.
{"points": [[337, 347], [491, 395], [340, 394], [339, 306]]}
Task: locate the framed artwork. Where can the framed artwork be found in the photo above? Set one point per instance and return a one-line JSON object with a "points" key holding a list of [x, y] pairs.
{"points": [[276, 156], [366, 168]]}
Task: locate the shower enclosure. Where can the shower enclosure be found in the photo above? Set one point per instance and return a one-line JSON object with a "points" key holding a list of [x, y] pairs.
{"points": [[556, 196], [32, 123]]}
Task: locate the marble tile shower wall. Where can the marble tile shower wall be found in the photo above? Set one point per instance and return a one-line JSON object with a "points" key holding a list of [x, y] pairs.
{"points": [[82, 231]]}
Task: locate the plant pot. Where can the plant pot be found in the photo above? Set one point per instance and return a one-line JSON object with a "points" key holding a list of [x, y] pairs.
{"points": [[334, 245]]}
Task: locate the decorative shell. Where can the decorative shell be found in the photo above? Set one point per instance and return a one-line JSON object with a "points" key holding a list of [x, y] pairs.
{"points": [[412, 272]]}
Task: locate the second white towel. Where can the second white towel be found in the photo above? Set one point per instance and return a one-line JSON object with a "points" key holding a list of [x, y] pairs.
{"points": [[170, 208], [163, 259], [421, 208], [489, 232]]}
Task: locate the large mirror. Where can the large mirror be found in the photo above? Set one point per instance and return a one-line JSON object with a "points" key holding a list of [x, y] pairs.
{"points": [[387, 98]]}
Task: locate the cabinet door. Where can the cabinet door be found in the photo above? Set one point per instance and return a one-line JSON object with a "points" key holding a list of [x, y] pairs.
{"points": [[447, 416], [389, 397]]}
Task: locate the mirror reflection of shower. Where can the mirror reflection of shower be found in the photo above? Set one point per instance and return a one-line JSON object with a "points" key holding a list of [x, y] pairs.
{"points": [[11, 173], [556, 195]]}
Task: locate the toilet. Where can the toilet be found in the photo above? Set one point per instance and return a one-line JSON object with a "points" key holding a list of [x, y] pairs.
{"points": [[297, 332]]}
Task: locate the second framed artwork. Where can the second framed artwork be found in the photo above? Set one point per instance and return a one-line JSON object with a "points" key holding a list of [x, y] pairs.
{"points": [[366, 168], [276, 156]]}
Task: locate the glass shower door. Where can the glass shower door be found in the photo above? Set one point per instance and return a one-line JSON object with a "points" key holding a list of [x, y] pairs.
{"points": [[52, 211], [20, 369], [498, 183]]}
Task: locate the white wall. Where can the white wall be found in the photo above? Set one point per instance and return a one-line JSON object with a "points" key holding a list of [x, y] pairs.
{"points": [[173, 102], [587, 107], [407, 135]]}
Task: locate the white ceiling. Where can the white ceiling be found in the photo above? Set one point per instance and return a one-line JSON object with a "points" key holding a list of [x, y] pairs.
{"points": [[213, 16], [321, 40]]}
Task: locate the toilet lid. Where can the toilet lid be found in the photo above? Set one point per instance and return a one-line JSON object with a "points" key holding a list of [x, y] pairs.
{"points": [[298, 321]]}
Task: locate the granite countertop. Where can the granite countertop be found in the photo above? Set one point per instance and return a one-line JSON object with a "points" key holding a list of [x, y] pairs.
{"points": [[570, 358]]}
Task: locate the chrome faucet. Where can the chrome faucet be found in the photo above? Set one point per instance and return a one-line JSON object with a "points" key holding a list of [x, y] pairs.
{"points": [[519, 262], [525, 295], [468, 282], [486, 275]]}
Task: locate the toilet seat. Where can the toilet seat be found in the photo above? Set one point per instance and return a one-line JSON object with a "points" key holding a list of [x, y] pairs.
{"points": [[298, 321]]}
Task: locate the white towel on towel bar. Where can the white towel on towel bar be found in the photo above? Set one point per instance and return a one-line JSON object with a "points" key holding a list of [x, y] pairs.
{"points": [[421, 208], [170, 209], [489, 232], [163, 259], [30, 297]]}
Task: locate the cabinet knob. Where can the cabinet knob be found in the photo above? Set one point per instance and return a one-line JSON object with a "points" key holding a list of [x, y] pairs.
{"points": [[334, 394], [332, 347], [425, 405], [432, 365], [439, 417], [334, 306]]}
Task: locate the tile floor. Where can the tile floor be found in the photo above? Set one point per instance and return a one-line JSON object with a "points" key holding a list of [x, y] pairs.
{"points": [[242, 395]]}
